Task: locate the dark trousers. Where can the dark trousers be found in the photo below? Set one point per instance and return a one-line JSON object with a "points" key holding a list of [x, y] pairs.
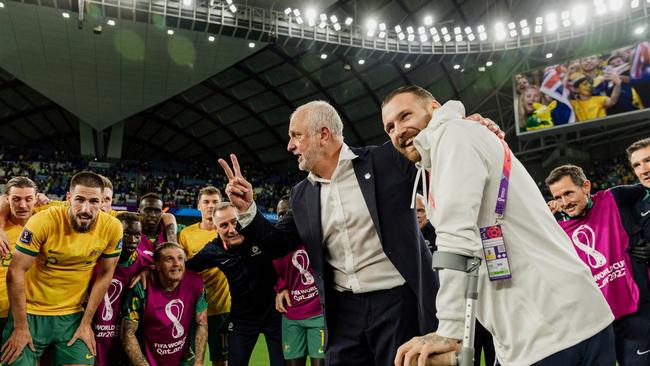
{"points": [[483, 341], [595, 351], [367, 329], [244, 336], [632, 334]]}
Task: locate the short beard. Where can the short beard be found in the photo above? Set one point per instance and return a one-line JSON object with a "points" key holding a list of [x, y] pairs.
{"points": [[78, 228]]}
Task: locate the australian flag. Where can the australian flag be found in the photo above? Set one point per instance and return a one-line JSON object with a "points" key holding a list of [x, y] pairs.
{"points": [[553, 87]]}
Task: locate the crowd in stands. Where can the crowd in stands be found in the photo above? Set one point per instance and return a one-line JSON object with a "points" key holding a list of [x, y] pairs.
{"points": [[178, 183]]}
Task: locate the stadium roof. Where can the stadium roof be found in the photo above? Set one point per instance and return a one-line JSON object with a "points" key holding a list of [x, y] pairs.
{"points": [[187, 97]]}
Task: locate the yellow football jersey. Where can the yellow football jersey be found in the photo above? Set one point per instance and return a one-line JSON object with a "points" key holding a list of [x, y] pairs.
{"points": [[56, 283], [13, 233], [217, 292]]}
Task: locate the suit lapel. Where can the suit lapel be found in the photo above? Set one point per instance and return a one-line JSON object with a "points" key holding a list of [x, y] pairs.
{"points": [[365, 174], [312, 195]]}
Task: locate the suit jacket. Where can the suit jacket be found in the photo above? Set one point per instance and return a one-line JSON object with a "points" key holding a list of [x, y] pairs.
{"points": [[386, 181]]}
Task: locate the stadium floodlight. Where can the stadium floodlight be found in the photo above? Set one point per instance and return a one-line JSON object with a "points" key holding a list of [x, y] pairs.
{"points": [[513, 33], [229, 2], [310, 15], [334, 19], [468, 30], [371, 24], [65, 15], [382, 34], [500, 31], [232, 8], [551, 22], [322, 25], [601, 8], [170, 32], [471, 37], [447, 37], [337, 26], [428, 20], [512, 25], [287, 11], [323, 17], [2, 5], [481, 28], [456, 67], [296, 12], [457, 30], [444, 30], [211, 39], [565, 15], [422, 30], [488, 64], [523, 23], [539, 21], [251, 45], [409, 30], [538, 29], [436, 38], [579, 13], [382, 27], [299, 20], [187, 2], [634, 4], [407, 66], [615, 5], [433, 31], [411, 37], [323, 56], [111, 22], [423, 38], [639, 30], [348, 21], [525, 31], [549, 55], [361, 61], [401, 36], [459, 38], [566, 23], [482, 36], [398, 29]]}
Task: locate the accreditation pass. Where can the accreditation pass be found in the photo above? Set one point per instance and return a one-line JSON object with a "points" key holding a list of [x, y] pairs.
{"points": [[494, 249]]}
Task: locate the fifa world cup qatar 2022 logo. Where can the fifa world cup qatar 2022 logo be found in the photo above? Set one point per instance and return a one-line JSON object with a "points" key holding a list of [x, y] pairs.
{"points": [[584, 238], [112, 294], [174, 311], [300, 260]]}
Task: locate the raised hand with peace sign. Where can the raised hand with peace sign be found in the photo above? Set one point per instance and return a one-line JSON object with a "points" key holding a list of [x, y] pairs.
{"points": [[238, 189]]}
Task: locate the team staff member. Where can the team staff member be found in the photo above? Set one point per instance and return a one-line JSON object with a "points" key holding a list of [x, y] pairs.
{"points": [[21, 195], [49, 275], [600, 228], [164, 312], [464, 157], [107, 320], [251, 278], [193, 238]]}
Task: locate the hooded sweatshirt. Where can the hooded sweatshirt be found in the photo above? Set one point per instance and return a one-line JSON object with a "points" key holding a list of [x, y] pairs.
{"points": [[551, 302]]}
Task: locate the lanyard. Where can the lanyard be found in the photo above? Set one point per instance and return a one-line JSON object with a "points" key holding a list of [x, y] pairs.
{"points": [[505, 179]]}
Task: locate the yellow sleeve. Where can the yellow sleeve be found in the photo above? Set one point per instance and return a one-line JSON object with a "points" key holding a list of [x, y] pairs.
{"points": [[115, 213], [182, 240], [34, 234], [114, 238], [48, 205]]}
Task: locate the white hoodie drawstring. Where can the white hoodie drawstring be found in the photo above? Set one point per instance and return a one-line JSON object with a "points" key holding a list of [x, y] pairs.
{"points": [[425, 192]]}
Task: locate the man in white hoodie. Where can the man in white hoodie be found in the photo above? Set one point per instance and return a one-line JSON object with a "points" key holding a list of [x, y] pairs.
{"points": [[548, 311]]}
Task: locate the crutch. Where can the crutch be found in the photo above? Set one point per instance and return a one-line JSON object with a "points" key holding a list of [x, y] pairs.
{"points": [[469, 265]]}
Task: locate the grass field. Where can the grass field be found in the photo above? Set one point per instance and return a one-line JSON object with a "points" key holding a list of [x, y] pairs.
{"points": [[260, 355]]}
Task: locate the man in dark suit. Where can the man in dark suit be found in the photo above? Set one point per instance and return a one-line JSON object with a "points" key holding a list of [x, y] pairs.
{"points": [[352, 212]]}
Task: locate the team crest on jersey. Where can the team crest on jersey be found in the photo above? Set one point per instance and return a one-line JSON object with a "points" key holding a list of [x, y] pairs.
{"points": [[119, 245], [26, 236], [255, 250]]}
